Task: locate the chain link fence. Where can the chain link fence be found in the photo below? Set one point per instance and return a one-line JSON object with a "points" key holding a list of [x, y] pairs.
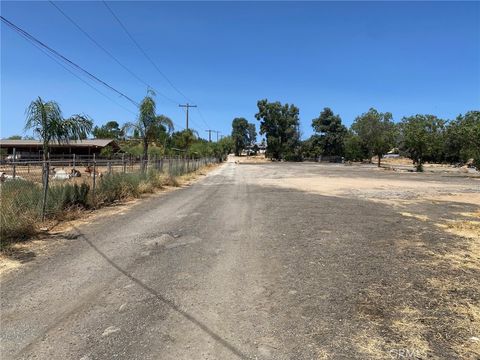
{"points": [[37, 189]]}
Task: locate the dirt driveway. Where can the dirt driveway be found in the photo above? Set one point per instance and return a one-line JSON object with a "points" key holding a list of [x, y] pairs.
{"points": [[262, 261]]}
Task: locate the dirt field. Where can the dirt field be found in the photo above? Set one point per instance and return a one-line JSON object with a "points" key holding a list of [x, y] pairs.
{"points": [[442, 298]]}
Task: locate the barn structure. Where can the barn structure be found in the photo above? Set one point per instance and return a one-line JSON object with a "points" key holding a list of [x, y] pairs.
{"points": [[33, 149]]}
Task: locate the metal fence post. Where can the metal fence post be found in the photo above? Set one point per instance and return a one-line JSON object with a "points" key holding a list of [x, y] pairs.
{"points": [[124, 164], [14, 170], [94, 178], [46, 169]]}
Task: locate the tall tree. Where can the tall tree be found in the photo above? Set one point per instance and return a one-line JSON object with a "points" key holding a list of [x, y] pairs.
{"points": [[354, 147], [332, 132], [148, 122], [252, 134], [184, 139], [111, 130], [47, 122], [462, 138], [311, 148], [377, 132], [240, 135], [280, 123], [422, 138]]}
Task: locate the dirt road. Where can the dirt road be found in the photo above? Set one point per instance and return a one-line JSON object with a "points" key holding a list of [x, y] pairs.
{"points": [[252, 263]]}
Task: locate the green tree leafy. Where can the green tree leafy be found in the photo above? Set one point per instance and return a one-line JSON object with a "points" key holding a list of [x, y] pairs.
{"points": [[111, 130], [377, 132], [422, 138], [240, 135], [331, 131], [280, 124]]}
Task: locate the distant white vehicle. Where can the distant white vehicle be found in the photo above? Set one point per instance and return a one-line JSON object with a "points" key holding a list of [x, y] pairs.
{"points": [[391, 156]]}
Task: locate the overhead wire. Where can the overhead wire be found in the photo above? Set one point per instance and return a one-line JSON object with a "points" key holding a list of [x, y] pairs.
{"points": [[113, 56], [33, 39], [145, 54], [80, 78], [140, 48]]}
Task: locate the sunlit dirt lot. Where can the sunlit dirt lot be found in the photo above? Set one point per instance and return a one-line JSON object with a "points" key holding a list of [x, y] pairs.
{"points": [[433, 245]]}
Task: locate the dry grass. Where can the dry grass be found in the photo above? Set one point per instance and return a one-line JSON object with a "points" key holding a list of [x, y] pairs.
{"points": [[465, 228], [323, 354], [465, 319], [408, 324], [467, 254], [370, 344], [415, 216], [469, 319], [145, 187]]}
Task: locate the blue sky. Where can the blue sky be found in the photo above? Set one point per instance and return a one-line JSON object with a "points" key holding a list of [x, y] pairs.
{"points": [[402, 57]]}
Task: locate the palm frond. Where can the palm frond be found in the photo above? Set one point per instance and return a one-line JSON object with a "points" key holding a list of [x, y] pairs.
{"points": [[77, 127], [165, 121], [47, 122], [129, 126]]}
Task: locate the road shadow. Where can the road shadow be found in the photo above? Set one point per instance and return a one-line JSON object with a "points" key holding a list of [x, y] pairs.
{"points": [[170, 303], [21, 255]]}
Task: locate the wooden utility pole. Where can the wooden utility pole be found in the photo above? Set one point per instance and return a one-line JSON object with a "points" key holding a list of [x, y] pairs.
{"points": [[188, 106], [218, 132], [210, 135]]}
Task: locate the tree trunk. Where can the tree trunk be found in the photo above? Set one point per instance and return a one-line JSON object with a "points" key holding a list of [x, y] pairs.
{"points": [[379, 159], [145, 154], [45, 179]]}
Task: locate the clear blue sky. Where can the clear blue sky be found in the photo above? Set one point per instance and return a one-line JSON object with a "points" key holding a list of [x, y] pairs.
{"points": [[406, 58]]}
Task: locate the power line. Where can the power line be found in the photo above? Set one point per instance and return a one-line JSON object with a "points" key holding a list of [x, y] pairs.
{"points": [[82, 80], [31, 38], [110, 54], [187, 105], [201, 117], [140, 48], [144, 52]]}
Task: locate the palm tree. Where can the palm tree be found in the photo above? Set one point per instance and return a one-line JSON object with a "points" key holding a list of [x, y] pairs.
{"points": [[149, 123], [47, 122]]}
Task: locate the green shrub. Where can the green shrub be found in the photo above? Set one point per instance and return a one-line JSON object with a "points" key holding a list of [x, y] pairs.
{"points": [[21, 205], [113, 187], [66, 196], [19, 209]]}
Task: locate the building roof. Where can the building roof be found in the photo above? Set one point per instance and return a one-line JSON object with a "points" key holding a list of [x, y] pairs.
{"points": [[73, 143]]}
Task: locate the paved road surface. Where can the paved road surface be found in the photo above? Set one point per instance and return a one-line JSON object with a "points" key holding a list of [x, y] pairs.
{"points": [[223, 269]]}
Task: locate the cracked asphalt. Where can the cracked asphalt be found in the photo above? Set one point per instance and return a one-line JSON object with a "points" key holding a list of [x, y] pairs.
{"points": [[226, 268]]}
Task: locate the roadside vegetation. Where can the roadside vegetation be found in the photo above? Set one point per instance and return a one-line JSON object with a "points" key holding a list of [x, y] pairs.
{"points": [[26, 206], [20, 208], [422, 138]]}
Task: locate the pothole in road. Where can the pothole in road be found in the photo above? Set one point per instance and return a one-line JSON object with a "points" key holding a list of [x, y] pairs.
{"points": [[182, 241], [167, 241], [161, 240]]}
